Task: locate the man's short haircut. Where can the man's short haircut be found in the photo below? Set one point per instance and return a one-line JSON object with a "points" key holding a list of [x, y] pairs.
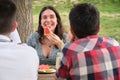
{"points": [[84, 20], [7, 16]]}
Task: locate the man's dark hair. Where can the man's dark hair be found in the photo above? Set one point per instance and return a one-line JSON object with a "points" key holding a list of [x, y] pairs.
{"points": [[7, 16], [84, 20]]}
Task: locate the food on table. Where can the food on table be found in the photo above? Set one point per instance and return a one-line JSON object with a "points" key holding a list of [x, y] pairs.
{"points": [[46, 68]]}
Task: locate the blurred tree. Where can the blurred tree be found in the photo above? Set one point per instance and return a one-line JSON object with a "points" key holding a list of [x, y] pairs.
{"points": [[24, 18]]}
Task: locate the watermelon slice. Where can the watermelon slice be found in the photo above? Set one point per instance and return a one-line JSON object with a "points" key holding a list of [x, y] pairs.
{"points": [[46, 31], [44, 67]]}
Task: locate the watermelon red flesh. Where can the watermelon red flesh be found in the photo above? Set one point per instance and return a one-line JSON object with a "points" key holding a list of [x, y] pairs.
{"points": [[46, 31], [44, 67]]}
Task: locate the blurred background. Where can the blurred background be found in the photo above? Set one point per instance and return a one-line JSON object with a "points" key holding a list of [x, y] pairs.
{"points": [[109, 14]]}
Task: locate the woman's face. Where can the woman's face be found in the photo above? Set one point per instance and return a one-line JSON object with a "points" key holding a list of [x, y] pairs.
{"points": [[49, 19]]}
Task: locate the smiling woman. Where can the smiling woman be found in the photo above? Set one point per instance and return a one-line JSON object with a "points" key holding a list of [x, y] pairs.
{"points": [[47, 46]]}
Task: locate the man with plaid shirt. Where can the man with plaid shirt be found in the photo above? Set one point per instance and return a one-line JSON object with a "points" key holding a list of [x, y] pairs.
{"points": [[88, 56]]}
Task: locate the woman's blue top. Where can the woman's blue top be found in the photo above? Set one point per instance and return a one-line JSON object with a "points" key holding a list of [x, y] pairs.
{"points": [[33, 41]]}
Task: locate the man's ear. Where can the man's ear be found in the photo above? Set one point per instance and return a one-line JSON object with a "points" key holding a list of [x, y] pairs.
{"points": [[72, 34], [14, 26], [71, 30], [99, 28]]}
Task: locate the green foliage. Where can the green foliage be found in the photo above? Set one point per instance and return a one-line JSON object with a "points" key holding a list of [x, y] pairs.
{"points": [[109, 13]]}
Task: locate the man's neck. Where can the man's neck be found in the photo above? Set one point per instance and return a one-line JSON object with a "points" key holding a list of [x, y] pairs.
{"points": [[6, 34]]}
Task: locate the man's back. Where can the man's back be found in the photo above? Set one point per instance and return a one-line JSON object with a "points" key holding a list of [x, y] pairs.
{"points": [[91, 59], [17, 62], [88, 56]]}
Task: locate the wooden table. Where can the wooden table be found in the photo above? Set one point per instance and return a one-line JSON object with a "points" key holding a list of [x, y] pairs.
{"points": [[50, 76]]}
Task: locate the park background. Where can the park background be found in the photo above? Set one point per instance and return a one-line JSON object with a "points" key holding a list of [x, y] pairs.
{"points": [[109, 14]]}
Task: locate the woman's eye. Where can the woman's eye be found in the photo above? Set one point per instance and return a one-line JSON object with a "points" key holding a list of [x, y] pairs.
{"points": [[52, 16], [44, 17]]}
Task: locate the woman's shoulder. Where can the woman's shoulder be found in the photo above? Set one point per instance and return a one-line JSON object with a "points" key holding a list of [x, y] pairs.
{"points": [[33, 39], [34, 35]]}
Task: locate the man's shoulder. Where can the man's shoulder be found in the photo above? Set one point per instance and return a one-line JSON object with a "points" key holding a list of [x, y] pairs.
{"points": [[113, 42], [88, 44], [23, 46]]}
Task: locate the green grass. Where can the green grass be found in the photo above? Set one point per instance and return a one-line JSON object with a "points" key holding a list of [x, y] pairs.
{"points": [[109, 14], [110, 26]]}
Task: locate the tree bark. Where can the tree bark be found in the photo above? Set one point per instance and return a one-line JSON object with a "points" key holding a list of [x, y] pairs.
{"points": [[24, 18]]}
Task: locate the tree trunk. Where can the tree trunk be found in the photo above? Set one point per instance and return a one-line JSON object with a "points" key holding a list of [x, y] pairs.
{"points": [[24, 18]]}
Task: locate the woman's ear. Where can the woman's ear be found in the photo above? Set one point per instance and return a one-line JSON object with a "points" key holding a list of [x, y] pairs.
{"points": [[14, 26]]}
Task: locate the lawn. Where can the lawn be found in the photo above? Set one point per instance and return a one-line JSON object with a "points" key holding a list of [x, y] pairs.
{"points": [[109, 14]]}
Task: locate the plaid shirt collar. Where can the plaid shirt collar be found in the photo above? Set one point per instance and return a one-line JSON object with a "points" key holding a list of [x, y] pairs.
{"points": [[91, 43]]}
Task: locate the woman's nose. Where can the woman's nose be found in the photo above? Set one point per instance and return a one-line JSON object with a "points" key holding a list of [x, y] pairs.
{"points": [[48, 19], [47, 22]]}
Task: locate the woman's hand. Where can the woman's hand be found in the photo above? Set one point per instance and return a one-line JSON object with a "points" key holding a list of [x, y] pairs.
{"points": [[55, 40]]}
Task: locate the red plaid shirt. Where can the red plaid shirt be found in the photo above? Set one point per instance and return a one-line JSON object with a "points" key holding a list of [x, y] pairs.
{"points": [[90, 58]]}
